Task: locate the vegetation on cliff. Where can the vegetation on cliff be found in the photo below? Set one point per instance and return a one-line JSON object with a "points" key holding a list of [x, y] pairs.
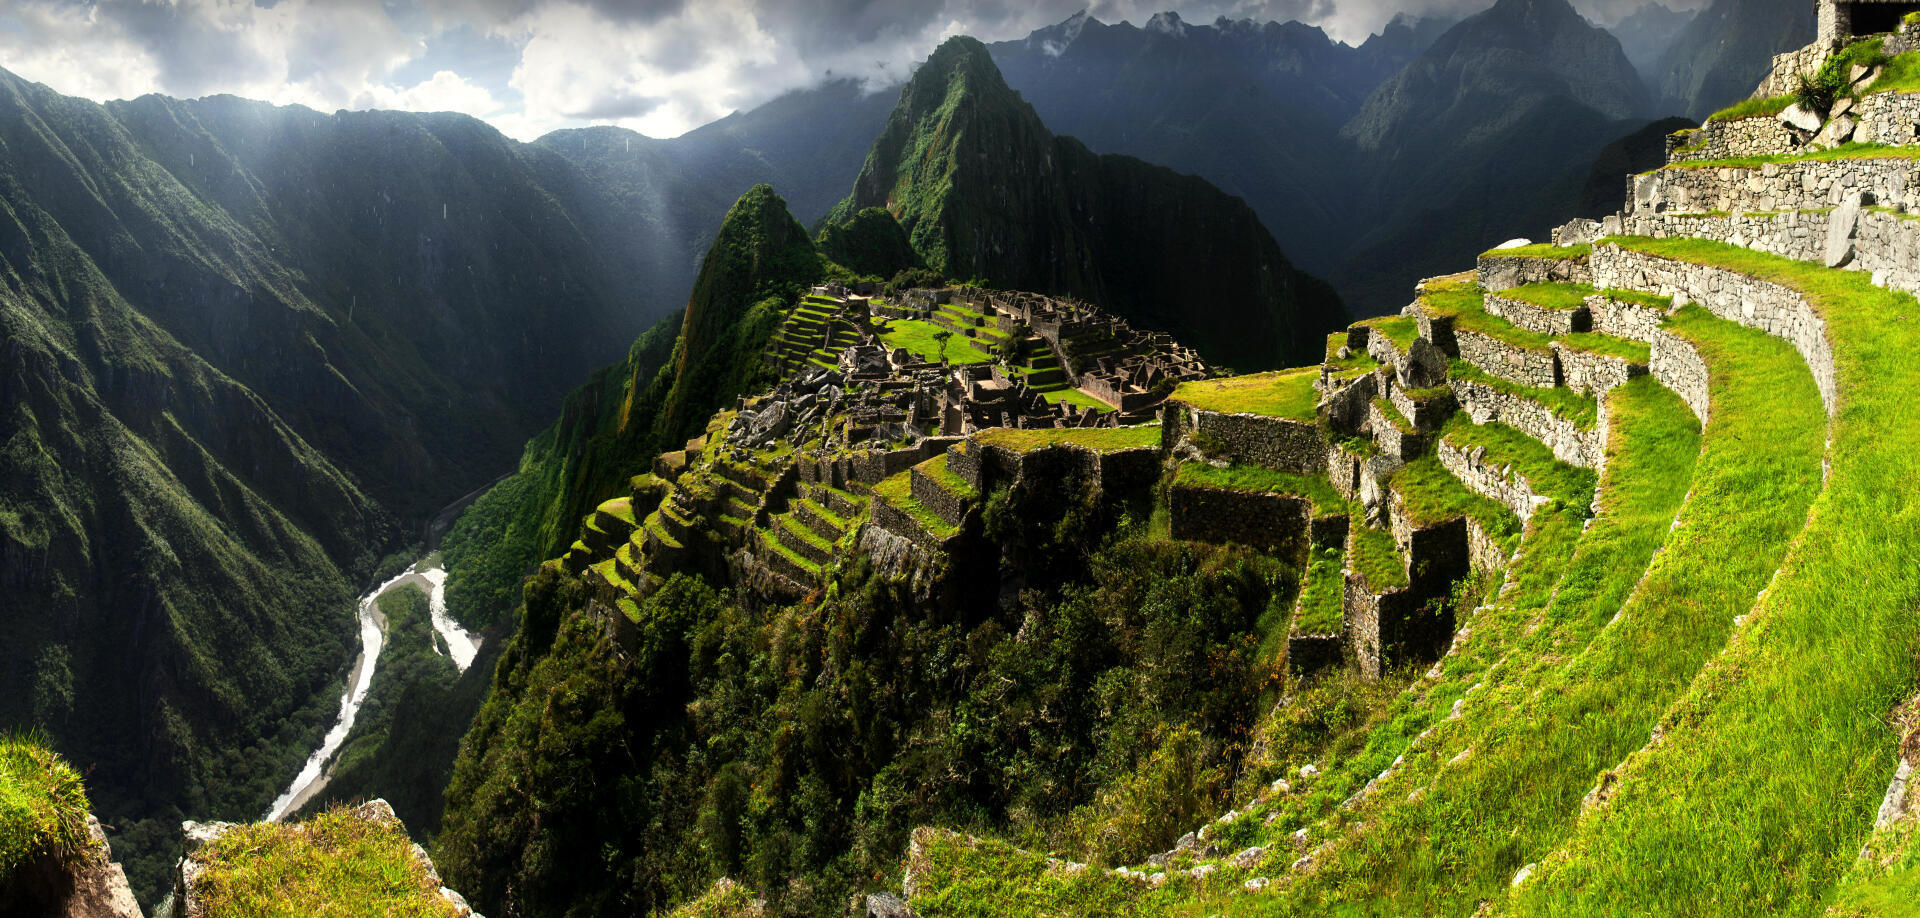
{"points": [[43, 806], [984, 190]]}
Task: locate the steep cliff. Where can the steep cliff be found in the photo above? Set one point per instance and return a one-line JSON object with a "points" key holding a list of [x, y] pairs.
{"points": [[984, 190]]}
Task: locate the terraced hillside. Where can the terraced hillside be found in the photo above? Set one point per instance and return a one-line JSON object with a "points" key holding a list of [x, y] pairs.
{"points": [[1580, 587]]}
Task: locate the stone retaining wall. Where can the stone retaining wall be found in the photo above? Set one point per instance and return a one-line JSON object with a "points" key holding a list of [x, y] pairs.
{"points": [[1594, 374], [1776, 310], [1436, 554], [1277, 523], [1624, 320], [1393, 441], [1308, 653], [1496, 483], [801, 546], [1484, 553], [1569, 442], [946, 505], [901, 523], [1513, 364], [1345, 408], [1537, 319], [1382, 628], [1885, 245], [1803, 185], [1274, 443], [1788, 67], [1761, 135], [1504, 272], [1678, 366], [1424, 414], [1888, 117]]}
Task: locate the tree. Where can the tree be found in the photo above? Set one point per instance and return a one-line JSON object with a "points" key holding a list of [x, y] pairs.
{"points": [[942, 337]]}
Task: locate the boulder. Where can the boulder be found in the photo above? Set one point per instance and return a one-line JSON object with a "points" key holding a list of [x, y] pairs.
{"points": [[887, 905], [1840, 231], [1800, 118], [1513, 244], [1425, 367], [1836, 132]]}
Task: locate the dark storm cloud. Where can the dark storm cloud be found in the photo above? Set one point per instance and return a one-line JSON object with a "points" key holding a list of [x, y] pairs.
{"points": [[193, 55]]}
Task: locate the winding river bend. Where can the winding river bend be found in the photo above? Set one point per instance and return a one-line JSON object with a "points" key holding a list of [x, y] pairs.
{"points": [[455, 642]]}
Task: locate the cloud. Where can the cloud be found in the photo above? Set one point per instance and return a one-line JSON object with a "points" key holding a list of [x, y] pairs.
{"points": [[528, 66]]}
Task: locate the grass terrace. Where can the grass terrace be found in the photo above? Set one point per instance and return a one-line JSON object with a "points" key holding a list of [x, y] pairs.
{"points": [[1282, 394], [1394, 417], [898, 491], [1783, 748], [1507, 447], [1844, 152], [1638, 352], [1582, 410], [1401, 330], [43, 806], [1322, 592], [1254, 479], [1357, 363], [1376, 557], [1543, 250], [1098, 439], [1431, 495], [1639, 298], [1753, 108], [335, 864], [918, 338], [1564, 297], [936, 468]]}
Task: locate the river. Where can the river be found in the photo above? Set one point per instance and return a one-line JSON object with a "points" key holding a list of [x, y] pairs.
{"points": [[460, 645]]}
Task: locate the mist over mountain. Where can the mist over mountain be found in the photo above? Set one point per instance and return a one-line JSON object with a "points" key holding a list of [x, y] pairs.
{"points": [[1647, 33], [1726, 51]]}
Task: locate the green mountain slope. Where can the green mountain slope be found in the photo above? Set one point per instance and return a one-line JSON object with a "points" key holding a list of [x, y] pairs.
{"points": [[1726, 51], [984, 190]]}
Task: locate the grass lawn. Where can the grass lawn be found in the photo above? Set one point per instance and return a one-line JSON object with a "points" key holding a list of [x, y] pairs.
{"points": [[1322, 592], [898, 491], [917, 337], [1282, 394], [1260, 480], [1376, 558], [1551, 296], [1430, 494], [1753, 108], [1099, 439], [1543, 250]]}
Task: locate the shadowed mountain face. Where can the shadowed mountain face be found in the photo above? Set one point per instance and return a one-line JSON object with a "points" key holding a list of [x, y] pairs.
{"points": [[1646, 34], [984, 190], [1727, 50], [248, 350]]}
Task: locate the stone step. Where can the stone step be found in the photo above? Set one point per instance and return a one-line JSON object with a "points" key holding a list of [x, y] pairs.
{"points": [[796, 536], [821, 520]]}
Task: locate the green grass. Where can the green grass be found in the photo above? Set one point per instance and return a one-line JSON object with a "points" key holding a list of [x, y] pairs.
{"points": [[1900, 73], [1543, 250], [43, 806], [898, 492], [804, 534], [620, 508], [1064, 393], [1283, 394], [1322, 592], [1358, 361], [1753, 108], [1431, 495], [918, 338], [1098, 439], [1253, 478], [1582, 410], [1401, 330], [1844, 152], [1375, 557], [936, 468], [772, 540], [1534, 462], [1551, 296], [1394, 417], [1639, 298], [1782, 750], [336, 864]]}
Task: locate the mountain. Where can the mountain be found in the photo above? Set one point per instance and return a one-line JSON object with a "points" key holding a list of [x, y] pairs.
{"points": [[1251, 107], [251, 350], [984, 190], [1486, 135], [1646, 34], [1635, 153], [1727, 50]]}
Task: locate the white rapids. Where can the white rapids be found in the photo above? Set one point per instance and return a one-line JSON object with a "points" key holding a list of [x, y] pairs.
{"points": [[461, 646]]}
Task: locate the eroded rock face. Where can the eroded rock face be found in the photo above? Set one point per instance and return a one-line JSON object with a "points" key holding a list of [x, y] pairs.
{"points": [[90, 885]]}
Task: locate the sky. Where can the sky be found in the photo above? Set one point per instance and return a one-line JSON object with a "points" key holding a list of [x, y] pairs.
{"points": [[660, 67]]}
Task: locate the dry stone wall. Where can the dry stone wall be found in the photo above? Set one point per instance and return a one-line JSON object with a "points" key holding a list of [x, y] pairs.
{"points": [[1594, 374], [1678, 366], [1274, 443], [1761, 135], [1497, 483], [1397, 443], [1886, 245], [1514, 364], [1803, 185], [1279, 523], [1569, 442], [946, 505], [1504, 272], [1776, 310], [1887, 117], [1624, 320], [1484, 553], [1537, 319]]}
